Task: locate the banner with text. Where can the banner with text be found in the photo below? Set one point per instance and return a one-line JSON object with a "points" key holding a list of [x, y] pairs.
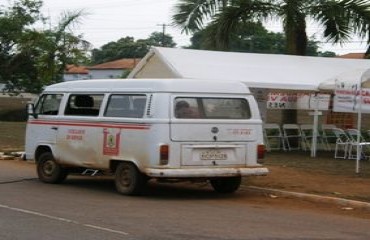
{"points": [[347, 99], [303, 101]]}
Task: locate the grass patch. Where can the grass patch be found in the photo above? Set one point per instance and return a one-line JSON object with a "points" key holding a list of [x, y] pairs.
{"points": [[12, 136], [13, 109]]}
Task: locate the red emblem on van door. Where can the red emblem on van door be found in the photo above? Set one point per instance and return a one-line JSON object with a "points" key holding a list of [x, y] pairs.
{"points": [[112, 137]]}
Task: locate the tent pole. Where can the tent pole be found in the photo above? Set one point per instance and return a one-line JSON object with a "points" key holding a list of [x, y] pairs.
{"points": [[316, 115], [359, 116]]}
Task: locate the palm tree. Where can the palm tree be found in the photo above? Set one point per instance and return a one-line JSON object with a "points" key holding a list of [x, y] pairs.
{"points": [[338, 18], [59, 44]]}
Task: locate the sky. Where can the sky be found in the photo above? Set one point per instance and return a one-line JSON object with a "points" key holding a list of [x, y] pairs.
{"points": [[110, 20]]}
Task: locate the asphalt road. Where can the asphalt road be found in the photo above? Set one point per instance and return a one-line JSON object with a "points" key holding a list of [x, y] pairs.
{"points": [[89, 208]]}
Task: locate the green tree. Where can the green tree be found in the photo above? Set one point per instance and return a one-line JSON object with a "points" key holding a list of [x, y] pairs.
{"points": [[59, 47], [128, 47], [339, 19], [17, 67], [327, 54], [29, 58], [160, 39], [248, 37], [125, 47]]}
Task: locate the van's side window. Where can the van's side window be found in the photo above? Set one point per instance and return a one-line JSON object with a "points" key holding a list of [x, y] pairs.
{"points": [[84, 104], [48, 104], [126, 105], [212, 108]]}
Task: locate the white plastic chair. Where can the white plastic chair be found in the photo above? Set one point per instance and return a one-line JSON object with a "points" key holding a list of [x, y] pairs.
{"points": [[353, 143], [342, 142], [307, 134], [292, 132], [273, 136]]}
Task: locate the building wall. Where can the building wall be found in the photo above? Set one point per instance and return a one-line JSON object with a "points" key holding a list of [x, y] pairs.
{"points": [[73, 77], [303, 117], [105, 74]]}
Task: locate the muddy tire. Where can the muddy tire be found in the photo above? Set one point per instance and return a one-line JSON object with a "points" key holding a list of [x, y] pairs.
{"points": [[226, 185], [49, 171], [128, 179]]}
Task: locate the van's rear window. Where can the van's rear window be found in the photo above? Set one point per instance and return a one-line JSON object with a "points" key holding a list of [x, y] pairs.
{"points": [[212, 108]]}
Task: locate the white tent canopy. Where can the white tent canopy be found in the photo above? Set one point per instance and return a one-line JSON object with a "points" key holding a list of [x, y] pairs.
{"points": [[270, 71]]}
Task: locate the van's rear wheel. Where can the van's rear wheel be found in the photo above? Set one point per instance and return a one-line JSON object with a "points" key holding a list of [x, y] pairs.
{"points": [[226, 184], [128, 179], [49, 171]]}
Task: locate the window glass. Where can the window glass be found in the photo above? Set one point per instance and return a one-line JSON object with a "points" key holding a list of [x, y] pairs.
{"points": [[212, 108], [84, 104], [48, 104], [129, 106]]}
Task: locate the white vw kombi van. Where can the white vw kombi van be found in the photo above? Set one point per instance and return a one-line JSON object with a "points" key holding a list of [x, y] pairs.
{"points": [[142, 129]]}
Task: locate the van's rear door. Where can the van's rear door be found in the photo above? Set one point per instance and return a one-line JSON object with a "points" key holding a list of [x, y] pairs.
{"points": [[213, 130]]}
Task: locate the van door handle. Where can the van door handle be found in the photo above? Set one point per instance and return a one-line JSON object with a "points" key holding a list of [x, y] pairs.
{"points": [[54, 128]]}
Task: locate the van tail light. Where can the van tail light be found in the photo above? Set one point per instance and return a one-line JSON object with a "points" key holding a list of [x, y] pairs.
{"points": [[163, 154], [260, 151]]}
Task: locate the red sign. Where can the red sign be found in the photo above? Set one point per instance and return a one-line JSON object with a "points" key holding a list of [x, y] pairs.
{"points": [[111, 143]]}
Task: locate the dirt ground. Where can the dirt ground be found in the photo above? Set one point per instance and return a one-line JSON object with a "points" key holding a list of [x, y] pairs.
{"points": [[323, 175]]}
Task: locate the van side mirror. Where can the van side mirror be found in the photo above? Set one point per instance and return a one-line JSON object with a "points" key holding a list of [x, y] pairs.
{"points": [[31, 110]]}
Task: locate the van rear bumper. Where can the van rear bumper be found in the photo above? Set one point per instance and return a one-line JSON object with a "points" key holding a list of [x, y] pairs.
{"points": [[205, 172]]}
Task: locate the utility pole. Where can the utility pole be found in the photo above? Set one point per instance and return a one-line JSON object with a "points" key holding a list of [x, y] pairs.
{"points": [[163, 32]]}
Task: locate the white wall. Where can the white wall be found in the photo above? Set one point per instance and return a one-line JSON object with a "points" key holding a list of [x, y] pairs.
{"points": [[103, 74], [73, 77]]}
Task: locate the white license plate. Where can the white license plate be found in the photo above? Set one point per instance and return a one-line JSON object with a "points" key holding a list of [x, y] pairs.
{"points": [[213, 155]]}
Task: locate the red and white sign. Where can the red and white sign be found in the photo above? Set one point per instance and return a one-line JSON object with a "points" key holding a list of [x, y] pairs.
{"points": [[303, 101], [348, 100], [112, 138]]}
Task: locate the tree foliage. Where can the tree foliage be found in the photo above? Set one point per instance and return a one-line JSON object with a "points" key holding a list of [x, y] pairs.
{"points": [[128, 47], [248, 37], [31, 58], [339, 18], [58, 47], [16, 66]]}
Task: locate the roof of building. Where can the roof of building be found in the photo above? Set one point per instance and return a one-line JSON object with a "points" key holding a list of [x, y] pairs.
{"points": [[353, 55], [124, 63], [74, 69]]}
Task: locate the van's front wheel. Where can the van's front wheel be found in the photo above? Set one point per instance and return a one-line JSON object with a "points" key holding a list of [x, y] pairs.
{"points": [[226, 184], [49, 171], [128, 179]]}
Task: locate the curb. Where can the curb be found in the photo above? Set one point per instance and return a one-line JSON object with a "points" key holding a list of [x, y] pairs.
{"points": [[11, 155], [345, 203]]}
